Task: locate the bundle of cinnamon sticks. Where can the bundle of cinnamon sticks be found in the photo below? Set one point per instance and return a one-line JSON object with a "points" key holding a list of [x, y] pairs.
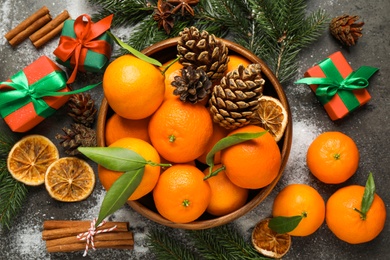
{"points": [[40, 27], [61, 235]]}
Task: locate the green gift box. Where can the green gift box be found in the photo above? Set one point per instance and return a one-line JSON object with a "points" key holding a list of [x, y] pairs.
{"points": [[84, 45]]}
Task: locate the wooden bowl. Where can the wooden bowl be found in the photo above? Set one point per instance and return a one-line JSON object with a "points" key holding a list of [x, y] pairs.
{"points": [[165, 51]]}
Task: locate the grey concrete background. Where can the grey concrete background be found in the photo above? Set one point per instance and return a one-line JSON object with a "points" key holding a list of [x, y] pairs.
{"points": [[369, 127]]}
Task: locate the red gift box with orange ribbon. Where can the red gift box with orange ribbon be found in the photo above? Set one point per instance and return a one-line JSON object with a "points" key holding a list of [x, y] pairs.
{"points": [[27, 98], [338, 88], [84, 45]]}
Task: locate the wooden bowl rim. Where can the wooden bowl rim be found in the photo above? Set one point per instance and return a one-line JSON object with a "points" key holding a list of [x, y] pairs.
{"points": [[263, 193]]}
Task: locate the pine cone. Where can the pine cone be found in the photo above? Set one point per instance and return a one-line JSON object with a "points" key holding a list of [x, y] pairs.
{"points": [[192, 86], [203, 51], [78, 135], [235, 101], [83, 109], [344, 29]]}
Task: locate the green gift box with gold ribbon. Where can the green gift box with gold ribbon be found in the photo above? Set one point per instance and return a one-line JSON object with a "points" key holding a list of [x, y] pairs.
{"points": [[338, 88], [33, 94]]}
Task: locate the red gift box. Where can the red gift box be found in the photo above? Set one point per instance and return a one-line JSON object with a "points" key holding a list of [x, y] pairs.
{"points": [[343, 90], [23, 116]]}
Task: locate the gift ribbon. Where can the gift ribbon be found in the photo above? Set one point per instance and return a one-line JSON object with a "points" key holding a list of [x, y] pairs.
{"points": [[334, 83], [86, 33], [21, 93]]}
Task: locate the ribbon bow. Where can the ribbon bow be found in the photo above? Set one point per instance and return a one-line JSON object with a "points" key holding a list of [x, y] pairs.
{"points": [[86, 33], [21, 93], [88, 236], [334, 83]]}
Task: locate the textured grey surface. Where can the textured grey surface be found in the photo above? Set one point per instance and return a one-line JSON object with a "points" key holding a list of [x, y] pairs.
{"points": [[368, 126]]}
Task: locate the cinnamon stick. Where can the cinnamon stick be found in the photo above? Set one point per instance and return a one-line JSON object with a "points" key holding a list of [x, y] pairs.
{"points": [[50, 30], [110, 236], [117, 244], [26, 23], [84, 225], [75, 230], [35, 25]]}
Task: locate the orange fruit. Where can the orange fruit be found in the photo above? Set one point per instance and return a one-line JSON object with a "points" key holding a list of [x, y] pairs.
{"points": [[235, 60], [180, 131], [134, 89], [226, 197], [69, 179], [300, 200], [181, 195], [219, 132], [333, 157], [346, 223], [252, 164], [151, 173], [30, 157], [272, 116], [268, 242], [118, 127], [170, 74]]}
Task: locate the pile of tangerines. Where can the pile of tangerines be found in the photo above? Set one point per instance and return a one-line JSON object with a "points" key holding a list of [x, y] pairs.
{"points": [[153, 122]]}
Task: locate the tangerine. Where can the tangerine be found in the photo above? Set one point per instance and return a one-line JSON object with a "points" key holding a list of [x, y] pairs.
{"points": [[134, 88], [219, 132], [300, 200], [347, 223], [332, 157], [252, 164], [118, 127], [226, 197], [170, 74], [151, 173], [180, 131], [181, 195]]}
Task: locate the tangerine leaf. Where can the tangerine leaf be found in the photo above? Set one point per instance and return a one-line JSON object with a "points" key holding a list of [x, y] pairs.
{"points": [[133, 51], [283, 225], [114, 158], [230, 141], [368, 196], [119, 192]]}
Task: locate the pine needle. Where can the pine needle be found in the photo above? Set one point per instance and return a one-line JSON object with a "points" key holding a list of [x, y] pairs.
{"points": [[12, 196], [6, 143]]}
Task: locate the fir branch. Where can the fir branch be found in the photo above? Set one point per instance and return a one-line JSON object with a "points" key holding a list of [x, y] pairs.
{"points": [[126, 12], [6, 143], [12, 196], [164, 246]]}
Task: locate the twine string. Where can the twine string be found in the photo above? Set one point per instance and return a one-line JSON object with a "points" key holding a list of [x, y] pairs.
{"points": [[88, 235]]}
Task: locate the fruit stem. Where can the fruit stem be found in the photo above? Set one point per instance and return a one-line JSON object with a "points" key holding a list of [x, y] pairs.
{"points": [[169, 65], [336, 156], [158, 164], [172, 138], [186, 203], [304, 214], [214, 172], [363, 216]]}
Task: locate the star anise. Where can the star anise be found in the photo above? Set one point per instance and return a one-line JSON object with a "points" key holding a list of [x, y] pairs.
{"points": [[184, 5], [163, 16]]}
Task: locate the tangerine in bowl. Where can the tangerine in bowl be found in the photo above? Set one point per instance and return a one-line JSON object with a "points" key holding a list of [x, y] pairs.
{"points": [[164, 52]]}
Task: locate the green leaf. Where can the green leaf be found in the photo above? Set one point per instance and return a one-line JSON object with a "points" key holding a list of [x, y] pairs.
{"points": [[114, 158], [368, 196], [283, 225], [133, 51], [119, 192], [230, 141]]}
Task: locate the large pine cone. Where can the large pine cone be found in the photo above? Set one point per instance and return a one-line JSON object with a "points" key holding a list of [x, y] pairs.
{"points": [[83, 109], [78, 135], [203, 51], [234, 102], [192, 86], [345, 29]]}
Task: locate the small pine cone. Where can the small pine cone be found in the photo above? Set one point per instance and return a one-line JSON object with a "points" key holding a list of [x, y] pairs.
{"points": [[345, 29], [203, 51], [192, 86], [77, 136], [83, 109], [235, 101]]}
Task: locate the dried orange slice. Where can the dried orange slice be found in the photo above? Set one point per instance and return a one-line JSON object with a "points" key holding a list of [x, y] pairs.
{"points": [[272, 116], [268, 242], [69, 179], [30, 157]]}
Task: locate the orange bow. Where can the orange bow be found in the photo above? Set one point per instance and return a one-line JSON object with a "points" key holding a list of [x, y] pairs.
{"points": [[76, 49]]}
